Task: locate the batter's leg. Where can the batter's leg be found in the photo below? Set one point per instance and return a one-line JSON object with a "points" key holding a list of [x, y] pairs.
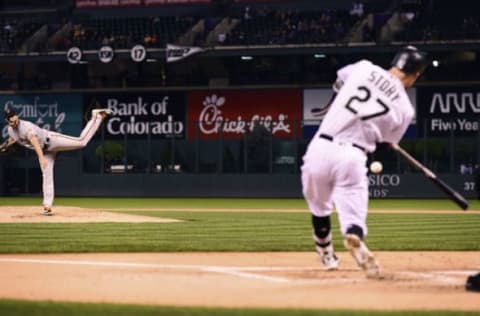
{"points": [[352, 211], [317, 191], [352, 214], [322, 237], [48, 183]]}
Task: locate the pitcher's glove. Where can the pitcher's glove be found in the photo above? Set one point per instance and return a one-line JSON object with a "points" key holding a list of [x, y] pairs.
{"points": [[4, 147]]}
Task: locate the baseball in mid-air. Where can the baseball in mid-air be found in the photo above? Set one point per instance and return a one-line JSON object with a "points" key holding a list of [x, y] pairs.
{"points": [[376, 167]]}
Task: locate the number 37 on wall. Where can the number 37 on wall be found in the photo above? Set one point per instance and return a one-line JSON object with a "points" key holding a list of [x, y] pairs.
{"points": [[469, 186]]}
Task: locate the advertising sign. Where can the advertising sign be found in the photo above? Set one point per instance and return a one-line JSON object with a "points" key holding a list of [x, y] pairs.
{"points": [[56, 112], [162, 115], [444, 111], [414, 185], [125, 3], [233, 113]]}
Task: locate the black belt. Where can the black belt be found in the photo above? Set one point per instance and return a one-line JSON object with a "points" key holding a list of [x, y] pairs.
{"points": [[330, 138]]}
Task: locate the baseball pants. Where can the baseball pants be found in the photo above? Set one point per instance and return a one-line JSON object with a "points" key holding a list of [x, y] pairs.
{"points": [[59, 142], [335, 173]]}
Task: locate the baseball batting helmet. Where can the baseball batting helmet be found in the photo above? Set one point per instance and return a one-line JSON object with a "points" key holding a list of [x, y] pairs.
{"points": [[410, 60]]}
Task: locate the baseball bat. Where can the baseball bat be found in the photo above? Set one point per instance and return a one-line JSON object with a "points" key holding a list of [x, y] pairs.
{"points": [[451, 193]]}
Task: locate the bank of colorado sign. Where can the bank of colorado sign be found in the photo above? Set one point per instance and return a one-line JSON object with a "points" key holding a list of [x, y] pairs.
{"points": [[444, 111], [137, 115], [232, 114]]}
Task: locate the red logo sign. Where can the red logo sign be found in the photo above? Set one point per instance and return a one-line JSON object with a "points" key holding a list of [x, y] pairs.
{"points": [[232, 113]]}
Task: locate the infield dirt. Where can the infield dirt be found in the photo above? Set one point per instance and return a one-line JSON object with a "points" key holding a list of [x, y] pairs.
{"points": [[65, 214]]}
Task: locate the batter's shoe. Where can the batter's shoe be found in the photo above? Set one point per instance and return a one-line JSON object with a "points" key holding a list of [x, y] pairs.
{"points": [[47, 211], [103, 112], [473, 283], [364, 258], [329, 260]]}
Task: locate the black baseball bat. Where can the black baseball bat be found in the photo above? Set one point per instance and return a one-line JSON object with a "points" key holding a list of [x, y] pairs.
{"points": [[451, 193]]}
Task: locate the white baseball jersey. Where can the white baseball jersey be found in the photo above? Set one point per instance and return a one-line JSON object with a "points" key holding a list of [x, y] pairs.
{"points": [[371, 106], [25, 131]]}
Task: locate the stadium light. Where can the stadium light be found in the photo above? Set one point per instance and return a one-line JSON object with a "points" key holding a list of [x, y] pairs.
{"points": [[246, 57]]}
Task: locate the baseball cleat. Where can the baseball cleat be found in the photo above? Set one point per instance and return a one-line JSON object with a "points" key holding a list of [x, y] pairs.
{"points": [[329, 260], [47, 212], [473, 283], [103, 112], [364, 258]]}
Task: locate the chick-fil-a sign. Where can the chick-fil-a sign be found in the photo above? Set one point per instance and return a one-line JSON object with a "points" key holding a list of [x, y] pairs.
{"points": [[233, 113]]}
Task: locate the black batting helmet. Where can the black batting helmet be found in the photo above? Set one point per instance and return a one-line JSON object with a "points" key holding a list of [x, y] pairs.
{"points": [[410, 60]]}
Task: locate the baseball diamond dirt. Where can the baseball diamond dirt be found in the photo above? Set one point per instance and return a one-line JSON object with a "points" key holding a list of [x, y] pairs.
{"points": [[413, 280]]}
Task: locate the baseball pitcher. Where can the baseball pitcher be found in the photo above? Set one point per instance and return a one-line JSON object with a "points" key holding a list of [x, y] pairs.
{"points": [[47, 143], [371, 106]]}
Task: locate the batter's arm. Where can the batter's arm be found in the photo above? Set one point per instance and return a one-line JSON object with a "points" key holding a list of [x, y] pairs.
{"points": [[38, 150]]}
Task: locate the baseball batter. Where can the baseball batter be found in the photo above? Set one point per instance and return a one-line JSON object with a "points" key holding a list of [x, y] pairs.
{"points": [[47, 143], [371, 106]]}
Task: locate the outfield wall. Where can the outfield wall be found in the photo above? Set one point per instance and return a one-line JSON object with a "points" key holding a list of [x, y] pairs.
{"points": [[70, 180], [258, 186], [230, 142]]}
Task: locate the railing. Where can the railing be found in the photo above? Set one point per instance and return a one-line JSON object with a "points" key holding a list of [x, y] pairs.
{"points": [[262, 152]]}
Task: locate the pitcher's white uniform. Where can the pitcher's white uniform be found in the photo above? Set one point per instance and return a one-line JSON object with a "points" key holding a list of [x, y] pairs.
{"points": [[51, 143], [371, 106]]}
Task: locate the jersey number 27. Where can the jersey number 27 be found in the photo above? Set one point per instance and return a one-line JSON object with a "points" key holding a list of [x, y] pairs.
{"points": [[362, 97]]}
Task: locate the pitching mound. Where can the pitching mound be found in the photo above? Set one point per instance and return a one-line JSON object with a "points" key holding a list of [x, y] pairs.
{"points": [[65, 214]]}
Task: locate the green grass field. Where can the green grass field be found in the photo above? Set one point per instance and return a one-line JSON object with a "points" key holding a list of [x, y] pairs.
{"points": [[229, 230], [12, 307], [230, 203]]}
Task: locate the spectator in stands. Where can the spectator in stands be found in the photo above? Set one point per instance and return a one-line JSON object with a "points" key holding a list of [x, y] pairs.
{"points": [[247, 15], [8, 27], [147, 40], [221, 37], [357, 9], [368, 33], [105, 40]]}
